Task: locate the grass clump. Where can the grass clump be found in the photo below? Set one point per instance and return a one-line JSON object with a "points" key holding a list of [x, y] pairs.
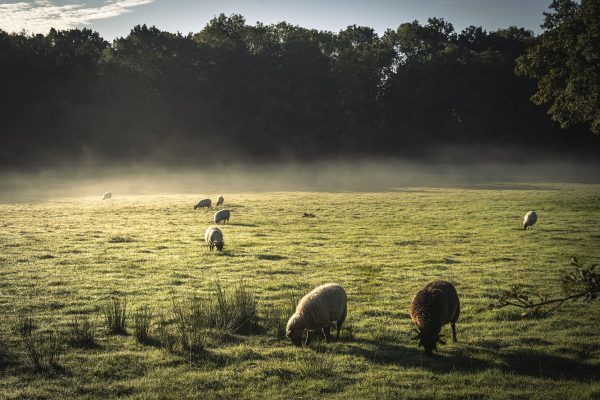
{"points": [[233, 312], [190, 324], [115, 316], [142, 319], [42, 349], [82, 333]]}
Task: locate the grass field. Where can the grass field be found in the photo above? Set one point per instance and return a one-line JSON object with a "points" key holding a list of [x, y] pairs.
{"points": [[63, 259]]}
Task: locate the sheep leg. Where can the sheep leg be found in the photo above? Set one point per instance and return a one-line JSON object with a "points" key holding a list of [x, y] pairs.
{"points": [[338, 324], [327, 333], [453, 326], [307, 336]]}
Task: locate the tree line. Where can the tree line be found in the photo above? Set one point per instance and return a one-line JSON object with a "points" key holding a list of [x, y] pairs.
{"points": [[240, 92]]}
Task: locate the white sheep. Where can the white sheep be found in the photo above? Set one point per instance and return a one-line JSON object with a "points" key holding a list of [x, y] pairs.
{"points": [[214, 238], [222, 215], [203, 203], [530, 219], [220, 201], [316, 311], [107, 196]]}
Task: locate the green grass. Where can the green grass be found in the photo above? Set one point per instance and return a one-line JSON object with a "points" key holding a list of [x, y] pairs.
{"points": [[65, 259]]}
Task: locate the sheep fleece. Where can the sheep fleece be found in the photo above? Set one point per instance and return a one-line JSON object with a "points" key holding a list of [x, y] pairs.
{"points": [[428, 308], [317, 309]]}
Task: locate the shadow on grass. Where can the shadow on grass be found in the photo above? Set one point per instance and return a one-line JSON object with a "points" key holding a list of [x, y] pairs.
{"points": [[270, 257], [522, 362]]}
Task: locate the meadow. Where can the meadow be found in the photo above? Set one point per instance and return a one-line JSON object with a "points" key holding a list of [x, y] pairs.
{"points": [[64, 259]]}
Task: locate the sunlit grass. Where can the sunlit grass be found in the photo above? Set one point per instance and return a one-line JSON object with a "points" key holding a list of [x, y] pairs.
{"points": [[68, 258]]}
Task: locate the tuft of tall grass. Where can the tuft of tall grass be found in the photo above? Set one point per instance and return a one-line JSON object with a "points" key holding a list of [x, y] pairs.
{"points": [[115, 315], [142, 319], [166, 337], [42, 349], [190, 324], [235, 311], [81, 333]]}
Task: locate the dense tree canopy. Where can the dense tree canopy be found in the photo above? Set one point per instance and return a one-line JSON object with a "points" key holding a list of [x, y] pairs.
{"points": [[270, 92], [565, 61]]}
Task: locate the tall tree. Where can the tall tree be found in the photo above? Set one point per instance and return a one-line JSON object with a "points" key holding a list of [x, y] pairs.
{"points": [[565, 61]]}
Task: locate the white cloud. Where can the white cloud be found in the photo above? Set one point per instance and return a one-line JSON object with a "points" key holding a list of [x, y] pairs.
{"points": [[41, 15]]}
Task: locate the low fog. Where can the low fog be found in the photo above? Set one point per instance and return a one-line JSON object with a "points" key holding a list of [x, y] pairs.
{"points": [[365, 175]]}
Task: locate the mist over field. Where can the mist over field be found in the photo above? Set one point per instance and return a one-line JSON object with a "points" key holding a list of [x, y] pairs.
{"points": [[360, 175]]}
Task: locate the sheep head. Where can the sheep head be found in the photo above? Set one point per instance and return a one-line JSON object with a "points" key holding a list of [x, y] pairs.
{"points": [[219, 246], [295, 337], [428, 340]]}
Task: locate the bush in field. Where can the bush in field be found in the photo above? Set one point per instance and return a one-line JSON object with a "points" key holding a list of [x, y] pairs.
{"points": [[115, 315], [142, 319], [82, 333]]}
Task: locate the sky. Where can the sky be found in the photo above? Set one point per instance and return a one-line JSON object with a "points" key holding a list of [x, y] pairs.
{"points": [[115, 18]]}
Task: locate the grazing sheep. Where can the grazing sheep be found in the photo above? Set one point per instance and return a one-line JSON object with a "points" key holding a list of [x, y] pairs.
{"points": [[220, 201], [316, 311], [214, 238], [530, 219], [222, 215], [203, 203], [433, 307], [107, 196]]}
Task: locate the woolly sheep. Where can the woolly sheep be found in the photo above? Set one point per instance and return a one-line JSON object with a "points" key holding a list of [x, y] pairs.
{"points": [[433, 307], [203, 203], [316, 311], [530, 219], [222, 215], [214, 238], [220, 201], [107, 196]]}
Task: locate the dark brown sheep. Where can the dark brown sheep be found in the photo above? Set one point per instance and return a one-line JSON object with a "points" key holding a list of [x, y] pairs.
{"points": [[433, 307]]}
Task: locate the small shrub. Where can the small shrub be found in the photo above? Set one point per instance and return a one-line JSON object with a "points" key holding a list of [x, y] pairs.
{"points": [[141, 324], [82, 333], [115, 313]]}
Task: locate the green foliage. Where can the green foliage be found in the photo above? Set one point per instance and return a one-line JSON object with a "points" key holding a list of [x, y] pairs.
{"points": [[293, 91], [564, 62]]}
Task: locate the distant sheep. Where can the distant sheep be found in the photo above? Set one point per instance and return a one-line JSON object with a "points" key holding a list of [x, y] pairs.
{"points": [[203, 203], [107, 196], [530, 219], [433, 307], [220, 201], [222, 215], [316, 311], [214, 238]]}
